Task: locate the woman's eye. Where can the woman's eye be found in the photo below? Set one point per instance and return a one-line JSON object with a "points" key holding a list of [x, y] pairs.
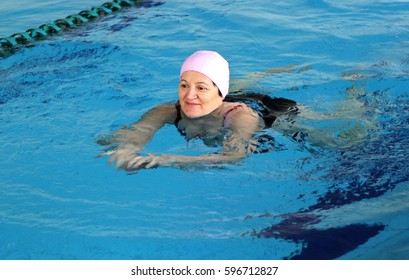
{"points": [[201, 88], [183, 86]]}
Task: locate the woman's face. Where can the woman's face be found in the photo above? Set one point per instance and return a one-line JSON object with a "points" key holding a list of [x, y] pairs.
{"points": [[198, 95]]}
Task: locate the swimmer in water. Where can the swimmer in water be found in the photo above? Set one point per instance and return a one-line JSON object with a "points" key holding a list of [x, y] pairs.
{"points": [[205, 111], [201, 112]]}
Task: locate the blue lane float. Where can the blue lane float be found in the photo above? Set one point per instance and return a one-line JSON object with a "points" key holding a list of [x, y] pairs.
{"points": [[8, 45]]}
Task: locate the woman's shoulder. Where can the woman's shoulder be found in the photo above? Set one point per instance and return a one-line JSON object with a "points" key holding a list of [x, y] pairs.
{"points": [[237, 113], [166, 112], [236, 108], [242, 118]]}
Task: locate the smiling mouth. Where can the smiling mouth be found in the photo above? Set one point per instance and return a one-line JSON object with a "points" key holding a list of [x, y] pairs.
{"points": [[192, 104]]}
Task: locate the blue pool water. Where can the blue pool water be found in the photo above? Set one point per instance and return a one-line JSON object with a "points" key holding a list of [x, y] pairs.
{"points": [[301, 201]]}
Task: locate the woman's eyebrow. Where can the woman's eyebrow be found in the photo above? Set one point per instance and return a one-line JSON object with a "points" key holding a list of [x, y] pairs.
{"points": [[202, 82]]}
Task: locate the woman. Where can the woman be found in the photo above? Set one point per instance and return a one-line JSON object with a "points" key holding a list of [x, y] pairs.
{"points": [[205, 111], [201, 112]]}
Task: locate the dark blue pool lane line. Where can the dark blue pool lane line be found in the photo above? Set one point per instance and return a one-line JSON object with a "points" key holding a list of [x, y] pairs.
{"points": [[383, 165], [8, 45]]}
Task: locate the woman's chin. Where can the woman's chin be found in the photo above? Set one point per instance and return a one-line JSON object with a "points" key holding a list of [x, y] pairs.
{"points": [[193, 112], [193, 115]]}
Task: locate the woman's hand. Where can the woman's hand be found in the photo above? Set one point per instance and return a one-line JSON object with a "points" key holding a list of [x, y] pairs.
{"points": [[130, 160], [121, 156], [146, 162]]}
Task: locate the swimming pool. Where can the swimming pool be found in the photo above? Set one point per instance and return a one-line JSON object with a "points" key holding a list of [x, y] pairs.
{"points": [[58, 201]]}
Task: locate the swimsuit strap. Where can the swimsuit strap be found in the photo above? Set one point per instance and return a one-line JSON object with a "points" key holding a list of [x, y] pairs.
{"points": [[231, 110], [270, 108], [179, 114], [178, 118]]}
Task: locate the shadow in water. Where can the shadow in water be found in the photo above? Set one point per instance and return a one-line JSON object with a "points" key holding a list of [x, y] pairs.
{"points": [[320, 244], [364, 172]]}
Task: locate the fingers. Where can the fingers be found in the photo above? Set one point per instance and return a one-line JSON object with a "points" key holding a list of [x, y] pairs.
{"points": [[127, 160], [105, 154], [134, 163], [121, 157], [153, 163], [141, 162]]}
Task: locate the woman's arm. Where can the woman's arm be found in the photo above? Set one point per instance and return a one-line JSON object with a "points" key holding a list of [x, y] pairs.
{"points": [[244, 124], [132, 139], [141, 132], [168, 160], [248, 81]]}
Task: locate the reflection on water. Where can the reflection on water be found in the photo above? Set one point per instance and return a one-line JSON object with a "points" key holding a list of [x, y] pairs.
{"points": [[340, 191]]}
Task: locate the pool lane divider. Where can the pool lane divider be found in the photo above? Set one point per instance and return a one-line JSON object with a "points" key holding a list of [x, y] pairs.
{"points": [[8, 45]]}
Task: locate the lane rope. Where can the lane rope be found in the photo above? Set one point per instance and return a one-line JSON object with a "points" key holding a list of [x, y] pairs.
{"points": [[8, 45]]}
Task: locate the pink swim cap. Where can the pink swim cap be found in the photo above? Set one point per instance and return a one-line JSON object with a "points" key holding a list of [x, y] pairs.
{"points": [[212, 65]]}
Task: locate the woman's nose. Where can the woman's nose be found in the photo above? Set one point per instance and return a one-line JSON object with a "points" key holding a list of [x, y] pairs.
{"points": [[191, 93]]}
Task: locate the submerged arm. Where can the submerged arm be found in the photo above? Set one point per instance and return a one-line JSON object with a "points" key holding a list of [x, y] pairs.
{"points": [[244, 123], [248, 81], [141, 132], [132, 139]]}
